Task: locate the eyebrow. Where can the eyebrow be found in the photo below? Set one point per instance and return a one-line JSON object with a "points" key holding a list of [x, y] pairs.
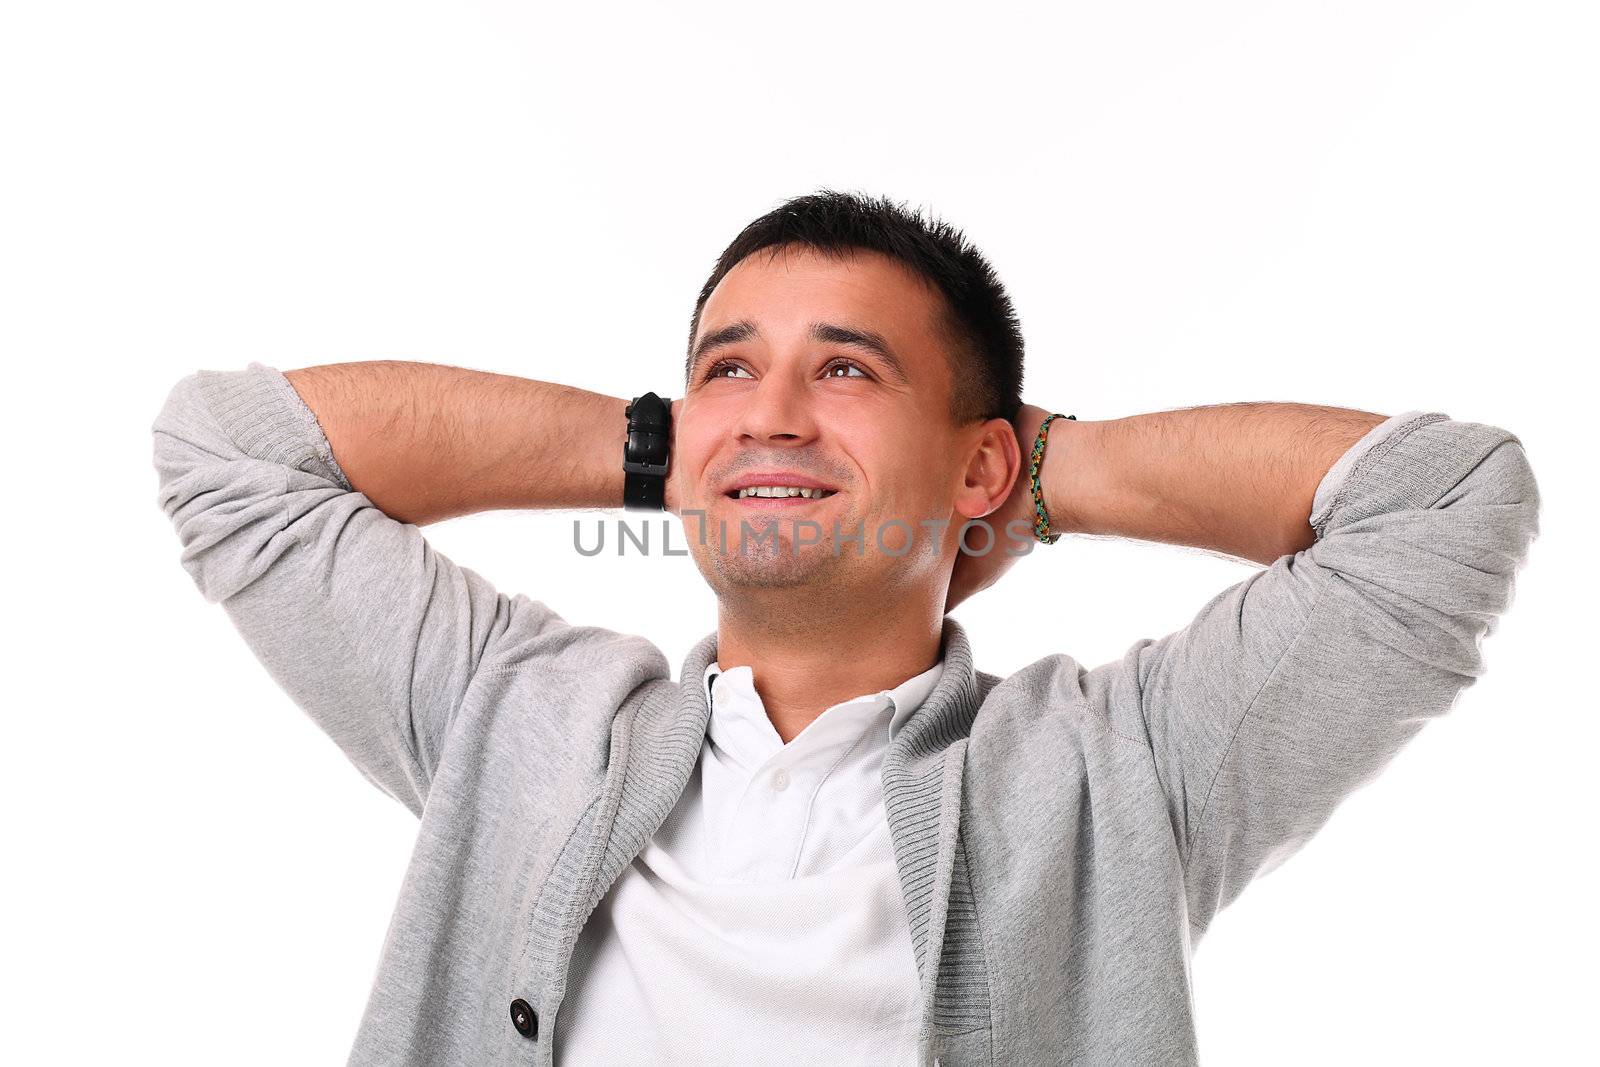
{"points": [[821, 332]]}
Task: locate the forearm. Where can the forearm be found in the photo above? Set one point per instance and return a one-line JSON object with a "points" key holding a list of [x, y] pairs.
{"points": [[426, 442], [1231, 478]]}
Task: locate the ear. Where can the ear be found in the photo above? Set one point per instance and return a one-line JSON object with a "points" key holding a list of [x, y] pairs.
{"points": [[992, 470]]}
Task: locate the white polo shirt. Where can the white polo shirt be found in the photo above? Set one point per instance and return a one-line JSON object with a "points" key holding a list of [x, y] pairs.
{"points": [[764, 923]]}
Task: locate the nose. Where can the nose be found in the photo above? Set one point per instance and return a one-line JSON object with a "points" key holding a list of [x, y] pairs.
{"points": [[779, 410]]}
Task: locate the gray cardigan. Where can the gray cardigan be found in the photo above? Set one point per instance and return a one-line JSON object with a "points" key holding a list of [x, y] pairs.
{"points": [[1063, 836]]}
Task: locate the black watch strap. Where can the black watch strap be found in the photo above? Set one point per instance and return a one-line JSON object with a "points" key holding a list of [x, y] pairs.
{"points": [[644, 457]]}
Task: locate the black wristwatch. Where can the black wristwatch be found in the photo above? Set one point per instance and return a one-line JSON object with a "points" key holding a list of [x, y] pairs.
{"points": [[644, 457]]}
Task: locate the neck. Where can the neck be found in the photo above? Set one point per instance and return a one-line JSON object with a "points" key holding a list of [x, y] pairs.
{"points": [[804, 663]]}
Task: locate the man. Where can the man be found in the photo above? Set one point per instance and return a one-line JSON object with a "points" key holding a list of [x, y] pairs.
{"points": [[831, 837]]}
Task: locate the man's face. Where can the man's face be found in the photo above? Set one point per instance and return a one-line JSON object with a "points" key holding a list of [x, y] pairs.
{"points": [[781, 394]]}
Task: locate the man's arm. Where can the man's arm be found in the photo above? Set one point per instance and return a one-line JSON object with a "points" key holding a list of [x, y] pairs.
{"points": [[1156, 478], [372, 631], [1296, 686], [1232, 478], [426, 442]]}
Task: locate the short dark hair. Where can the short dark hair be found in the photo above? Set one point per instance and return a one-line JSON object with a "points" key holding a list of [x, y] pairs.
{"points": [[986, 349]]}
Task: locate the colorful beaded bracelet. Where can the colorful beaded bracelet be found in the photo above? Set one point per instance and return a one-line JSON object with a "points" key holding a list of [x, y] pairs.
{"points": [[1041, 518]]}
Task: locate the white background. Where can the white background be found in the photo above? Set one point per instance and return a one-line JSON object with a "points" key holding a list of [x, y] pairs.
{"points": [[1383, 205]]}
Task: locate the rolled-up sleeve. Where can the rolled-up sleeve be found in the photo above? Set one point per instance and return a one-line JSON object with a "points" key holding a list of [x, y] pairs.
{"points": [[1295, 687], [371, 630]]}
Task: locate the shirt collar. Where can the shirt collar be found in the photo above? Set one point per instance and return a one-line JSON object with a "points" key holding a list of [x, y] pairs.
{"points": [[739, 722]]}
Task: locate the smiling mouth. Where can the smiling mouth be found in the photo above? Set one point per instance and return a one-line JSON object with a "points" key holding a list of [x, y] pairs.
{"points": [[779, 493]]}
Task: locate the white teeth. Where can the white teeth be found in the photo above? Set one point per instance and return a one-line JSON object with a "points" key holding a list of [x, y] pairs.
{"points": [[783, 491]]}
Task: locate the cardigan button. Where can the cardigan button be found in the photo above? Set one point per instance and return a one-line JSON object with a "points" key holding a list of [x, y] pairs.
{"points": [[524, 1018]]}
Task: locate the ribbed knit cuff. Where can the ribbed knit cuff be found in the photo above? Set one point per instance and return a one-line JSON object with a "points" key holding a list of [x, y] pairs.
{"points": [[265, 417], [1329, 486], [1413, 467]]}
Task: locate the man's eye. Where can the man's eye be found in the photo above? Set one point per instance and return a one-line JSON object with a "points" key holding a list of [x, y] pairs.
{"points": [[845, 363], [716, 369]]}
